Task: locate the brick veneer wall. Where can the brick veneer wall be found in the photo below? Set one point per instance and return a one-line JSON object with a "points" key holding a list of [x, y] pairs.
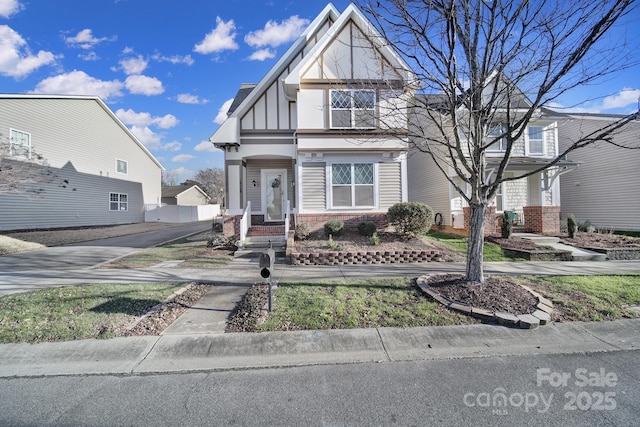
{"points": [[231, 225], [542, 219], [490, 221], [315, 222]]}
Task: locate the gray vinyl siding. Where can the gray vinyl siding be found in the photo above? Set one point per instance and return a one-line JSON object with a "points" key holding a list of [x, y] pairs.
{"points": [[82, 132], [84, 201], [390, 184], [604, 189], [427, 184], [314, 187], [254, 172]]}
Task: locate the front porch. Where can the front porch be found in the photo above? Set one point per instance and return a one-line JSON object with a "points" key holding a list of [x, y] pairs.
{"points": [[532, 219]]}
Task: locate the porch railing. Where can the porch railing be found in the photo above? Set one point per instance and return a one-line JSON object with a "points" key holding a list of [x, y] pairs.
{"points": [[287, 218], [245, 224], [457, 218]]}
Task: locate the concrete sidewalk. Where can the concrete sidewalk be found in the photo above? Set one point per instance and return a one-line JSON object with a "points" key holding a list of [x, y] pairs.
{"points": [[194, 353]]}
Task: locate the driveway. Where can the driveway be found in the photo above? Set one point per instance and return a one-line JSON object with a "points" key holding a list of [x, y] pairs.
{"points": [[88, 254]]}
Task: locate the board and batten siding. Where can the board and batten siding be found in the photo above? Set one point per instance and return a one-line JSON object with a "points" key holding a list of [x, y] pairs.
{"points": [[81, 131], [389, 184], [84, 201], [604, 188], [314, 187]]}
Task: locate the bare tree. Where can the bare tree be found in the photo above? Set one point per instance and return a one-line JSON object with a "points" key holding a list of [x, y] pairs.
{"points": [[488, 69], [24, 171], [212, 181], [170, 178]]}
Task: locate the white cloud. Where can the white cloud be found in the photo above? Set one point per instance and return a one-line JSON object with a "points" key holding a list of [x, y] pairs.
{"points": [[172, 146], [15, 58], [206, 145], [84, 39], [91, 56], [10, 7], [183, 158], [147, 137], [622, 99], [183, 173], [262, 54], [134, 65], [625, 101], [222, 112], [175, 59], [187, 98], [144, 85], [131, 118], [79, 83], [274, 34], [219, 39]]}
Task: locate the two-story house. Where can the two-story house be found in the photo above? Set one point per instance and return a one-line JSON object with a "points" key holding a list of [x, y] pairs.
{"points": [[531, 197], [323, 135], [98, 172]]}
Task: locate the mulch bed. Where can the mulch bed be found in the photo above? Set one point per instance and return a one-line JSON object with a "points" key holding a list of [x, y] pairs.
{"points": [[497, 293], [604, 241]]}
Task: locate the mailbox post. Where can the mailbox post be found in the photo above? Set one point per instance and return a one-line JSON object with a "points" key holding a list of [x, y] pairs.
{"points": [[267, 259]]}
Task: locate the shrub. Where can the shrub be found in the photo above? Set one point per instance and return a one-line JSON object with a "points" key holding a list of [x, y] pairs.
{"points": [[374, 239], [410, 219], [334, 227], [586, 227], [301, 232], [367, 228], [571, 226], [506, 228]]}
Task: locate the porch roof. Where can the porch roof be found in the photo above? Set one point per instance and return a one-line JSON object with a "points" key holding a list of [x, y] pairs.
{"points": [[531, 163]]}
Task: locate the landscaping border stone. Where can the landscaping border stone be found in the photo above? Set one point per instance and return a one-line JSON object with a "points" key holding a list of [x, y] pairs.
{"points": [[363, 257], [617, 254], [539, 254], [541, 316]]}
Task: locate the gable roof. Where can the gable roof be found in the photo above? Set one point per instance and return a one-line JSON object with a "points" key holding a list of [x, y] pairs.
{"points": [[101, 104], [176, 190]]}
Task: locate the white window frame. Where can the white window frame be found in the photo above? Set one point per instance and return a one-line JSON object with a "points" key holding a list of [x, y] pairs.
{"points": [[501, 143], [12, 152], [126, 166], [120, 203], [352, 185], [528, 142], [353, 108]]}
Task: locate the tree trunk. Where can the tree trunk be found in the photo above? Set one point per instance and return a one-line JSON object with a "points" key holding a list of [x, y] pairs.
{"points": [[476, 244]]}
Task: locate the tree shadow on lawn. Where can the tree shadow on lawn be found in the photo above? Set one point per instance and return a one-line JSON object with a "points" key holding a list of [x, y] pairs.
{"points": [[125, 305]]}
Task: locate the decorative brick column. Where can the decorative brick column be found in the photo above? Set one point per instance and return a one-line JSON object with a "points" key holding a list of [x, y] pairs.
{"points": [[490, 220], [231, 225], [542, 219]]}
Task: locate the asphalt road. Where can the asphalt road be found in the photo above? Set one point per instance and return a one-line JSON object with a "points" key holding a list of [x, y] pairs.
{"points": [[571, 389]]}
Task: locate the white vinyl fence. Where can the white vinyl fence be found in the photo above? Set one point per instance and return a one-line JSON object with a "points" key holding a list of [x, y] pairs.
{"points": [[174, 213]]}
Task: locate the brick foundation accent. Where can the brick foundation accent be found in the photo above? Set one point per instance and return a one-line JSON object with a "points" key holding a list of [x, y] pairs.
{"points": [[542, 219], [231, 225], [315, 222], [491, 224]]}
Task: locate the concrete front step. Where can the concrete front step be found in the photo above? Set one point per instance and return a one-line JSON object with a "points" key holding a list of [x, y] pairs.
{"points": [[579, 254], [537, 239], [265, 241]]}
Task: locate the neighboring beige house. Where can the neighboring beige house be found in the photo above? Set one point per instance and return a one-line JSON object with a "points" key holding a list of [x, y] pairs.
{"points": [[306, 144], [184, 195], [534, 200], [104, 175], [604, 189]]}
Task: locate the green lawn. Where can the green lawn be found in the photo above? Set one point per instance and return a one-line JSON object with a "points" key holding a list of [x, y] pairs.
{"points": [[491, 251], [194, 253], [77, 312]]}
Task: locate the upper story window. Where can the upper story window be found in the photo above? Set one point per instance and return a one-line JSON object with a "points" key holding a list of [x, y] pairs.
{"points": [[352, 185], [20, 144], [535, 140], [497, 133], [353, 109], [122, 166]]}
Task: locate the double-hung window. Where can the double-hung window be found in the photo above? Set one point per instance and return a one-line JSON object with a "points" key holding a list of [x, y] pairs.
{"points": [[353, 109], [352, 185], [496, 133], [20, 144], [118, 201], [535, 138]]}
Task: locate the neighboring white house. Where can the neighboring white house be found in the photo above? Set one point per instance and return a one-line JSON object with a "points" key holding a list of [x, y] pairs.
{"points": [[534, 201], [308, 137], [103, 174], [604, 189]]}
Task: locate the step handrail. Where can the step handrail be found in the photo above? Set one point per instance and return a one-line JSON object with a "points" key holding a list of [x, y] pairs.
{"points": [[245, 224]]}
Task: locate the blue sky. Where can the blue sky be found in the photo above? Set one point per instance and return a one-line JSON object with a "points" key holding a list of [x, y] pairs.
{"points": [[168, 68]]}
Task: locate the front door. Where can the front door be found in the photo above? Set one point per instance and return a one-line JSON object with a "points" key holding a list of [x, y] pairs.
{"points": [[274, 193]]}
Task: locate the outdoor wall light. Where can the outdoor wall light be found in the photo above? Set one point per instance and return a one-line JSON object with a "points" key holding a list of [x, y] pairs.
{"points": [[255, 184]]}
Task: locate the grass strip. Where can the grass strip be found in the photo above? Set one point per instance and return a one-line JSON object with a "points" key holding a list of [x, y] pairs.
{"points": [[491, 251], [77, 312]]}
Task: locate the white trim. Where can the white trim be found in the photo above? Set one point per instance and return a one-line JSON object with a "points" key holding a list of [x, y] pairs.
{"points": [[329, 186], [29, 145], [119, 202], [527, 150]]}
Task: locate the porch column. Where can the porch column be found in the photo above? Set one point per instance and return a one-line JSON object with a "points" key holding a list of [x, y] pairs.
{"points": [[490, 220], [542, 219]]}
